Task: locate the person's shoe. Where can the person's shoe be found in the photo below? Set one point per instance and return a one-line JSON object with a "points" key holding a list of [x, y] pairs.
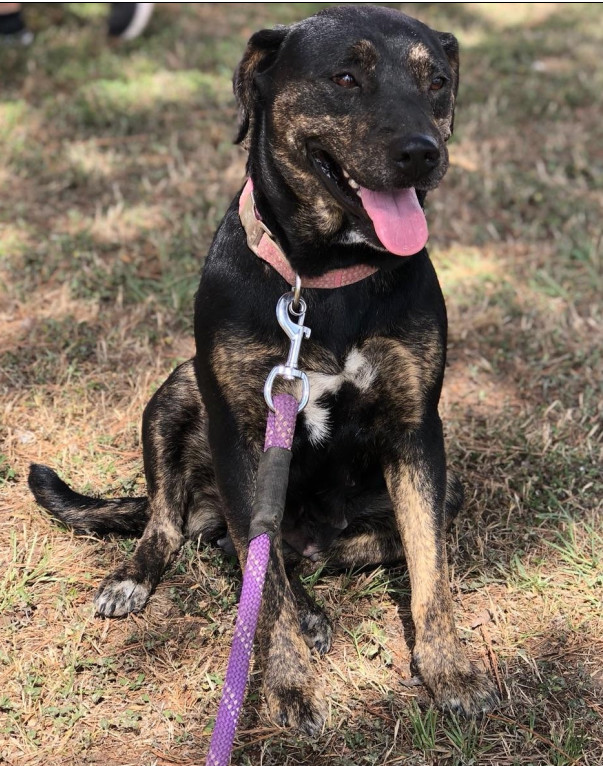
{"points": [[23, 38], [13, 30], [128, 20]]}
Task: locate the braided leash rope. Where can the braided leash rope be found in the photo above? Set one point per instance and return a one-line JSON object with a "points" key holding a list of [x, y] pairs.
{"points": [[279, 435], [240, 653]]}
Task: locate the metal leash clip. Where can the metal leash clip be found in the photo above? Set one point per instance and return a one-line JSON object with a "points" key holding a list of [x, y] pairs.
{"points": [[291, 305]]}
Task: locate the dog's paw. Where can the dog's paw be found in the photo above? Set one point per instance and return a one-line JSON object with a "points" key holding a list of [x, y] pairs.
{"points": [[303, 709], [317, 630], [118, 597], [227, 545], [467, 694]]}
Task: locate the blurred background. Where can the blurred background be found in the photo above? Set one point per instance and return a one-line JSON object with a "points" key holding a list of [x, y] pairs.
{"points": [[116, 165]]}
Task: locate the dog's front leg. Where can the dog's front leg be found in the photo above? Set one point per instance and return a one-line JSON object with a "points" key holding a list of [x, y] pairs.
{"points": [[415, 473], [292, 691]]}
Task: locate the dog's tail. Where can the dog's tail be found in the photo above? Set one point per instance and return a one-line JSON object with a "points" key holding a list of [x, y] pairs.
{"points": [[123, 516]]}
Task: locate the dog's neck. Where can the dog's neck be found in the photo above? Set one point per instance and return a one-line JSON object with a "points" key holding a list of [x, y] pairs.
{"points": [[262, 242]]}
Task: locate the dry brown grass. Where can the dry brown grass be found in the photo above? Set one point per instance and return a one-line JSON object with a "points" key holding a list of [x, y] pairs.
{"points": [[110, 193]]}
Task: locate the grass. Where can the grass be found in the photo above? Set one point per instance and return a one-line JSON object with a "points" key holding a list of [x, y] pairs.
{"points": [[116, 165]]}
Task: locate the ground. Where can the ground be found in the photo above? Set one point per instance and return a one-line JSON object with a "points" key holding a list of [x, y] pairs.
{"points": [[116, 164]]}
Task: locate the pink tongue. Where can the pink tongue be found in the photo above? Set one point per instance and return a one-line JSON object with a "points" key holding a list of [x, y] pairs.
{"points": [[398, 219]]}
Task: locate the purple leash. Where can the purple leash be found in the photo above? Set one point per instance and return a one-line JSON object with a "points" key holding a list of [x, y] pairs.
{"points": [[267, 512]]}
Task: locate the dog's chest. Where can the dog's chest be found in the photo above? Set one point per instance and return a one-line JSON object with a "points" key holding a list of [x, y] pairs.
{"points": [[354, 381]]}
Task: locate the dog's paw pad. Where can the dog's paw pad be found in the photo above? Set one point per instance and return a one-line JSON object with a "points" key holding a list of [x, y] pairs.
{"points": [[297, 708], [116, 598], [317, 631]]}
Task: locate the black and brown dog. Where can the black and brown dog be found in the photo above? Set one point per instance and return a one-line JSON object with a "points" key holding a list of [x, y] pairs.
{"points": [[346, 117]]}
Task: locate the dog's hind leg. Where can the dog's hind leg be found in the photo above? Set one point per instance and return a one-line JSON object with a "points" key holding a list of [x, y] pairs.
{"points": [[316, 627], [364, 548], [455, 497], [374, 538], [181, 486], [129, 587]]}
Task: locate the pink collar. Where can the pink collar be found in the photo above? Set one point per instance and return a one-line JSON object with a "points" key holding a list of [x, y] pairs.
{"points": [[262, 242]]}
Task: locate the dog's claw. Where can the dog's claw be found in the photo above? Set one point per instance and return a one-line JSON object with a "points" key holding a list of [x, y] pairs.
{"points": [[317, 631]]}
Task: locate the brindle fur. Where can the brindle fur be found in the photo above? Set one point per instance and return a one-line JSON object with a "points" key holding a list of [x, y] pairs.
{"points": [[368, 480]]}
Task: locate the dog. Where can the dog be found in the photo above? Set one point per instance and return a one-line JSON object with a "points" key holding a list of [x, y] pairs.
{"points": [[345, 117]]}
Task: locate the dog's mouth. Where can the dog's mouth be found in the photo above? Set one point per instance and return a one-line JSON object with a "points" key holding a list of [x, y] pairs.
{"points": [[338, 182], [396, 215]]}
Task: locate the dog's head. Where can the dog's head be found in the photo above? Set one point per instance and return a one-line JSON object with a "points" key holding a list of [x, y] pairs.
{"points": [[353, 106]]}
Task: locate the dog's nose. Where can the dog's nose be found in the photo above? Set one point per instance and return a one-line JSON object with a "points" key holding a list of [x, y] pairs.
{"points": [[416, 155]]}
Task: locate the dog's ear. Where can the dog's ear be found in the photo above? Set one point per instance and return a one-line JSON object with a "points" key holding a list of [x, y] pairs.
{"points": [[451, 48], [260, 53]]}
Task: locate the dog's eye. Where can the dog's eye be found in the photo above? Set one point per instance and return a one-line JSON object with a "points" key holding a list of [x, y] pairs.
{"points": [[345, 80], [437, 83]]}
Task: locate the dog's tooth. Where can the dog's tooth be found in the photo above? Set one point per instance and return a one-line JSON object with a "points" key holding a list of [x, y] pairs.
{"points": [[353, 184], [346, 175]]}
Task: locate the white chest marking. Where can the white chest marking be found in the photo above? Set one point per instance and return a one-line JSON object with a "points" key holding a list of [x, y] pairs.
{"points": [[357, 371]]}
